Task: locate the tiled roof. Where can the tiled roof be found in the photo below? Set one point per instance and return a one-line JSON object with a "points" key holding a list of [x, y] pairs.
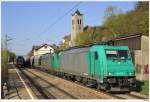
{"points": [[67, 37], [38, 47], [125, 36]]}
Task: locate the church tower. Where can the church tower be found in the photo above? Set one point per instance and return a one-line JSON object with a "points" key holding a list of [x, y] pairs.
{"points": [[76, 25]]}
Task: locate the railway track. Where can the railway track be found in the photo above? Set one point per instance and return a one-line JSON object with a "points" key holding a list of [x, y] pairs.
{"points": [[42, 93], [116, 95], [131, 95], [46, 88], [119, 95], [138, 96], [36, 89], [57, 88], [30, 84]]}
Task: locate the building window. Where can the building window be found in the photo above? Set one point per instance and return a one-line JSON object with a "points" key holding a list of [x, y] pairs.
{"points": [[95, 55], [45, 47], [78, 21], [40, 59], [73, 22]]}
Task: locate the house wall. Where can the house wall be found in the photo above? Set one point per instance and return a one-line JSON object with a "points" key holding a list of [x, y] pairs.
{"points": [[43, 50], [145, 57], [145, 49], [133, 43], [137, 57]]}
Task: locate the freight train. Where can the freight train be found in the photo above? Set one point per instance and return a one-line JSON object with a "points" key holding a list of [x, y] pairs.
{"points": [[109, 68], [20, 62]]}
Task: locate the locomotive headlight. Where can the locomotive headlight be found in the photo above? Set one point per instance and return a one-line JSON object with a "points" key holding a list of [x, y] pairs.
{"points": [[130, 73], [109, 73]]}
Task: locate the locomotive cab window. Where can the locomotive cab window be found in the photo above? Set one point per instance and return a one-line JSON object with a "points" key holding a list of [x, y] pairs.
{"points": [[117, 54], [123, 54], [95, 55]]}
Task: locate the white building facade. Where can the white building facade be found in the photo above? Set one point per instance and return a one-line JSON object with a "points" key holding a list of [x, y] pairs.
{"points": [[43, 50]]}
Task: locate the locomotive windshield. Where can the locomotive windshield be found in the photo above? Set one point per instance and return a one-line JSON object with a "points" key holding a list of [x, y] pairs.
{"points": [[116, 54]]}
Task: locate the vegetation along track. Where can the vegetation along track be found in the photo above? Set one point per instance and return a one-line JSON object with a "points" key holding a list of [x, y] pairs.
{"points": [[116, 95]]}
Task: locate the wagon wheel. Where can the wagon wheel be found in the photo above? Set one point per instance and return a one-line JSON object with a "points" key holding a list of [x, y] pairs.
{"points": [[107, 87], [98, 86]]}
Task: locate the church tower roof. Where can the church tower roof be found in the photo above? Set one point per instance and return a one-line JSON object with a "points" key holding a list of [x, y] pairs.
{"points": [[77, 12]]}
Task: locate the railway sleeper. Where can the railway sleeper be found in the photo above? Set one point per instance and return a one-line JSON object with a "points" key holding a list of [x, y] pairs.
{"points": [[91, 83]]}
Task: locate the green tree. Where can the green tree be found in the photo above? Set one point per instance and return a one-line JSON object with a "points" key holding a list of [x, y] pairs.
{"points": [[12, 56], [85, 38], [142, 6], [113, 17], [112, 11], [117, 23], [142, 10], [132, 22], [7, 56], [93, 35], [55, 47], [62, 46]]}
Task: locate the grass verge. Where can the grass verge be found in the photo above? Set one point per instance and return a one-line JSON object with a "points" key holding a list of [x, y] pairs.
{"points": [[145, 88]]}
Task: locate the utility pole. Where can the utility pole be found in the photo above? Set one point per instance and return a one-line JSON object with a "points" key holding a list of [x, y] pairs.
{"points": [[4, 64], [7, 40]]}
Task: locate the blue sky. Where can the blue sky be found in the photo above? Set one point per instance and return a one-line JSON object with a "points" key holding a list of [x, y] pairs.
{"points": [[26, 22]]}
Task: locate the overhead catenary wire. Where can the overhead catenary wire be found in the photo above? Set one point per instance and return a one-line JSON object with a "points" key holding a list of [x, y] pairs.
{"points": [[52, 24], [60, 18], [55, 22]]}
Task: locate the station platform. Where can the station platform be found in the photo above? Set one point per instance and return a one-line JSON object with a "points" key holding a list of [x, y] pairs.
{"points": [[18, 86]]}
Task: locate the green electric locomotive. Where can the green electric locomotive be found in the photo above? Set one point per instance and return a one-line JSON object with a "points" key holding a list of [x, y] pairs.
{"points": [[107, 67]]}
